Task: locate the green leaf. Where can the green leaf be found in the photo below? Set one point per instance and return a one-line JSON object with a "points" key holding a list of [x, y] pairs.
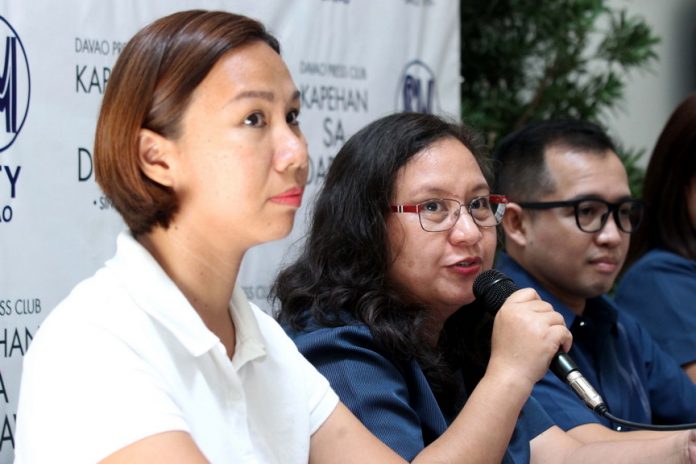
{"points": [[524, 60]]}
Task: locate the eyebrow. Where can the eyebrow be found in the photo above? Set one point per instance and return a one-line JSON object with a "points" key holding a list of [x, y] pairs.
{"points": [[262, 94]]}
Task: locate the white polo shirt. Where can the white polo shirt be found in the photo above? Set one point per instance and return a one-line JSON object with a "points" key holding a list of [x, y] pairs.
{"points": [[125, 356]]}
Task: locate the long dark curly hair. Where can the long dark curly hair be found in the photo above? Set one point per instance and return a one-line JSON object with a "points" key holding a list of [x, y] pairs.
{"points": [[343, 265]]}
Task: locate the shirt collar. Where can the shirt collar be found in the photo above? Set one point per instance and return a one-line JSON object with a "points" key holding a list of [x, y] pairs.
{"points": [[250, 343], [157, 295]]}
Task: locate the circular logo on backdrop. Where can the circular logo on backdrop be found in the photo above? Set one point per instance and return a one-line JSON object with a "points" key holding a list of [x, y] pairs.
{"points": [[417, 89], [14, 85]]}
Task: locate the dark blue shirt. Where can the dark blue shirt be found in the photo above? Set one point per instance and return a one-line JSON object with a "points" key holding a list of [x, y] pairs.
{"points": [[637, 380], [393, 398], [659, 290]]}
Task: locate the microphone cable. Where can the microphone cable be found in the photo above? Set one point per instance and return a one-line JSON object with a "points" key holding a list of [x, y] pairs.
{"points": [[602, 410], [493, 287]]}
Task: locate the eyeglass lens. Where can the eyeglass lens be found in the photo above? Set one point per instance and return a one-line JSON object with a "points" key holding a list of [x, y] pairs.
{"points": [[441, 214], [592, 215]]}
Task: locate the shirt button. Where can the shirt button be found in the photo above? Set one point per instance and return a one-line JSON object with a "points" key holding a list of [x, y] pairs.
{"points": [[582, 323], [618, 428]]}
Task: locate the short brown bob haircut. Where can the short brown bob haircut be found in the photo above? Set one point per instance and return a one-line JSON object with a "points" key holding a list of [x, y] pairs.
{"points": [[150, 87]]}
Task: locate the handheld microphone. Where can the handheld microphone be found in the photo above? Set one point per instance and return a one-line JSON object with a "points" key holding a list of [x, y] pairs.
{"points": [[492, 288]]}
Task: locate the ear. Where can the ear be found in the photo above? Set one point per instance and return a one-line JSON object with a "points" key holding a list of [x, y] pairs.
{"points": [[515, 222], [155, 157]]}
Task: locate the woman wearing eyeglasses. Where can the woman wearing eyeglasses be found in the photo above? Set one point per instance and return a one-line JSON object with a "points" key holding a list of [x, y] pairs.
{"points": [[159, 357], [380, 300], [659, 286]]}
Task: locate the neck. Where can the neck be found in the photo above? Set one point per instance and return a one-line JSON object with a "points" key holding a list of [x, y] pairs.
{"points": [[435, 325], [574, 302], [432, 336], [204, 273]]}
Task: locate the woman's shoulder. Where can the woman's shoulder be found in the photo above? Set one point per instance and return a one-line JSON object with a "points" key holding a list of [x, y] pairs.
{"points": [[344, 339], [89, 304], [660, 279], [349, 349], [662, 260], [343, 327], [97, 316]]}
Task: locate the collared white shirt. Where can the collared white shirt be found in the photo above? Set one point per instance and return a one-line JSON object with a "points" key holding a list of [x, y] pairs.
{"points": [[125, 356]]}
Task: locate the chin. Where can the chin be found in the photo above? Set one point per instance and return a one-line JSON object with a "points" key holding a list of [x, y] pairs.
{"points": [[279, 232], [448, 311], [462, 300], [598, 289], [276, 228]]}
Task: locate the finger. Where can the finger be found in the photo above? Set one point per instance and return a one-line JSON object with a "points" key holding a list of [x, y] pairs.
{"points": [[522, 295], [565, 338], [551, 318]]}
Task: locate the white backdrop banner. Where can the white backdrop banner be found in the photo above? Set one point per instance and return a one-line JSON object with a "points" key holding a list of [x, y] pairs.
{"points": [[353, 61]]}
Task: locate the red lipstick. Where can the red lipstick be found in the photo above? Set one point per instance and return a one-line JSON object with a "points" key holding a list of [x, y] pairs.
{"points": [[291, 197]]}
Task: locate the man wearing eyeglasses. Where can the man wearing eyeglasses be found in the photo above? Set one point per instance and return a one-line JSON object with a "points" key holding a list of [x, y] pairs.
{"points": [[567, 229]]}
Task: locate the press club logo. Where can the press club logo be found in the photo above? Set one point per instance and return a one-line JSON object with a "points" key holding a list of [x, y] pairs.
{"points": [[15, 85], [417, 89]]}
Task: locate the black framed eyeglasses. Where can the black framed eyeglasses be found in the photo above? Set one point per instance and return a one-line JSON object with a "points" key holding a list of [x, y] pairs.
{"points": [[440, 214], [591, 214]]}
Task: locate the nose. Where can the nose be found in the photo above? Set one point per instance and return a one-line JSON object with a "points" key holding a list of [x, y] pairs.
{"points": [[291, 150], [465, 230], [610, 235]]}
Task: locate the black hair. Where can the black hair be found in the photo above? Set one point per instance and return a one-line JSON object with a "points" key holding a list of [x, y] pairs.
{"points": [[521, 170], [344, 263]]}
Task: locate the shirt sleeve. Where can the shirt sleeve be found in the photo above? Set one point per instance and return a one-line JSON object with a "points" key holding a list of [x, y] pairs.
{"points": [[562, 404], [371, 386], [534, 419], [322, 399], [81, 390], [660, 292], [532, 422], [672, 393], [315, 390], [656, 384]]}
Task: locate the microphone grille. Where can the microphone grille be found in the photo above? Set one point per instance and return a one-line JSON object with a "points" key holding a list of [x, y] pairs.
{"points": [[493, 287]]}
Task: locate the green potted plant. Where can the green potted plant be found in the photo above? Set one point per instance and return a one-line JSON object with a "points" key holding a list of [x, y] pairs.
{"points": [[525, 60]]}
